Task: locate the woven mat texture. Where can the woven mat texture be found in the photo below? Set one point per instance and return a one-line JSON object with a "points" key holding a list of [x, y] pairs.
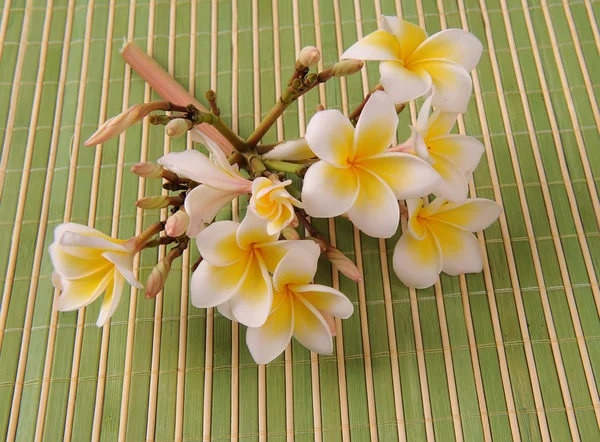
{"points": [[510, 354]]}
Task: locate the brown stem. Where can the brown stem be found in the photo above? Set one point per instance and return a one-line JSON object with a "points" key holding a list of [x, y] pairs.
{"points": [[301, 214], [354, 115]]}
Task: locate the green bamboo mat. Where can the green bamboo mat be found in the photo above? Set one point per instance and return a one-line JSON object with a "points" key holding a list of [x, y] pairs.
{"points": [[509, 354]]}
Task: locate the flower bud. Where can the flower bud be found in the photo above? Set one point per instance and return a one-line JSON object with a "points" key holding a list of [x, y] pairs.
{"points": [[177, 224], [309, 56], [177, 127], [148, 170], [294, 222], [289, 233], [153, 202], [346, 67], [158, 278], [343, 264]]}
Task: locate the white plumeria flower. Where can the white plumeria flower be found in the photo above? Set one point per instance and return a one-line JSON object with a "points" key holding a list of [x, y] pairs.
{"points": [[294, 150], [300, 309], [88, 263], [221, 182], [237, 259], [411, 62], [453, 156], [440, 239], [356, 175], [272, 202]]}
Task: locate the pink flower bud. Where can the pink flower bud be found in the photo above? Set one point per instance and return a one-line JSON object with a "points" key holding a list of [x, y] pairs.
{"points": [[153, 202], [343, 264], [148, 170], [177, 224], [289, 233], [158, 278], [177, 127], [309, 56], [346, 67]]}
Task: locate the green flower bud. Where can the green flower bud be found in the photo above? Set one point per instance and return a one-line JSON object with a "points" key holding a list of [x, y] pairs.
{"points": [[346, 67]]}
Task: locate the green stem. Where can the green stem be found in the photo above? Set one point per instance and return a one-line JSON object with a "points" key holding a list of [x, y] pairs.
{"points": [[282, 166], [257, 167], [215, 121]]}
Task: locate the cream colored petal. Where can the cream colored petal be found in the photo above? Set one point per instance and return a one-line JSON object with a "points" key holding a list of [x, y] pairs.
{"points": [[378, 45], [218, 244], [253, 230], [330, 135], [475, 215], [417, 263], [407, 175], [87, 246], [376, 126], [417, 145], [202, 205], [403, 84], [270, 340], [216, 153], [329, 191], [72, 267], [441, 123], [310, 328], [252, 302], [211, 286], [296, 267], [81, 229], [452, 84], [78, 293], [283, 220], [409, 35], [124, 265], [272, 253], [295, 150], [462, 150], [326, 299], [461, 252], [111, 299], [225, 310], [415, 225], [455, 45], [375, 210], [454, 185], [57, 281], [422, 124]]}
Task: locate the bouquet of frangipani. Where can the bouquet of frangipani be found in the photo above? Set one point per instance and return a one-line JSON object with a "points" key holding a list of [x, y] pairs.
{"points": [[259, 272]]}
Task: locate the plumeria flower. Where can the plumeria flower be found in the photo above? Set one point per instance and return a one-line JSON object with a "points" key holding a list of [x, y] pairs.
{"points": [[453, 156], [294, 150], [300, 309], [411, 62], [356, 175], [237, 259], [440, 239], [272, 202], [88, 263], [221, 182]]}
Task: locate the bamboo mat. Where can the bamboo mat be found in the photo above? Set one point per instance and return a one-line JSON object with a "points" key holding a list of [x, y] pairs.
{"points": [[509, 354]]}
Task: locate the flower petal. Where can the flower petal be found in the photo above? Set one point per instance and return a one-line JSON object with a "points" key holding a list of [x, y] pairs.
{"points": [[296, 267], [202, 205], [461, 252], [416, 227], [218, 244], [252, 302], [225, 310], [270, 340], [310, 328], [417, 263], [272, 253], [211, 286], [441, 123], [418, 146], [330, 135], [124, 265], [253, 230], [216, 153], [409, 34], [462, 150], [376, 126], [326, 299], [423, 117], [475, 215], [454, 185], [89, 246], [295, 150], [407, 175], [452, 84], [378, 45], [72, 267], [78, 293], [456, 45], [402, 84], [375, 210], [329, 191], [111, 300]]}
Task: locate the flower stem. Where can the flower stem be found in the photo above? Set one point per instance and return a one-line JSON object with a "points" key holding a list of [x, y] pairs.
{"points": [[211, 96], [354, 115], [281, 166]]}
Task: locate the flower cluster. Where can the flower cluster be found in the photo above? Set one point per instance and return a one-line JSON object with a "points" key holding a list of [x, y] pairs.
{"points": [[259, 272]]}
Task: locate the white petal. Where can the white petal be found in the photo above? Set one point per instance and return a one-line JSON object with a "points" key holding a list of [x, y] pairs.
{"points": [[461, 252], [378, 45], [78, 293], [225, 310], [417, 263], [57, 281], [402, 84], [124, 264], [475, 215], [310, 328], [273, 253], [423, 118], [111, 300], [454, 185], [270, 340], [326, 299], [76, 228], [295, 150], [202, 205], [418, 146], [330, 135], [376, 126], [216, 153], [416, 226], [211, 286], [456, 45], [409, 34], [328, 191], [253, 230], [452, 84], [407, 175], [441, 123], [252, 302], [89, 247], [72, 267], [296, 267], [218, 244], [462, 150], [375, 210]]}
